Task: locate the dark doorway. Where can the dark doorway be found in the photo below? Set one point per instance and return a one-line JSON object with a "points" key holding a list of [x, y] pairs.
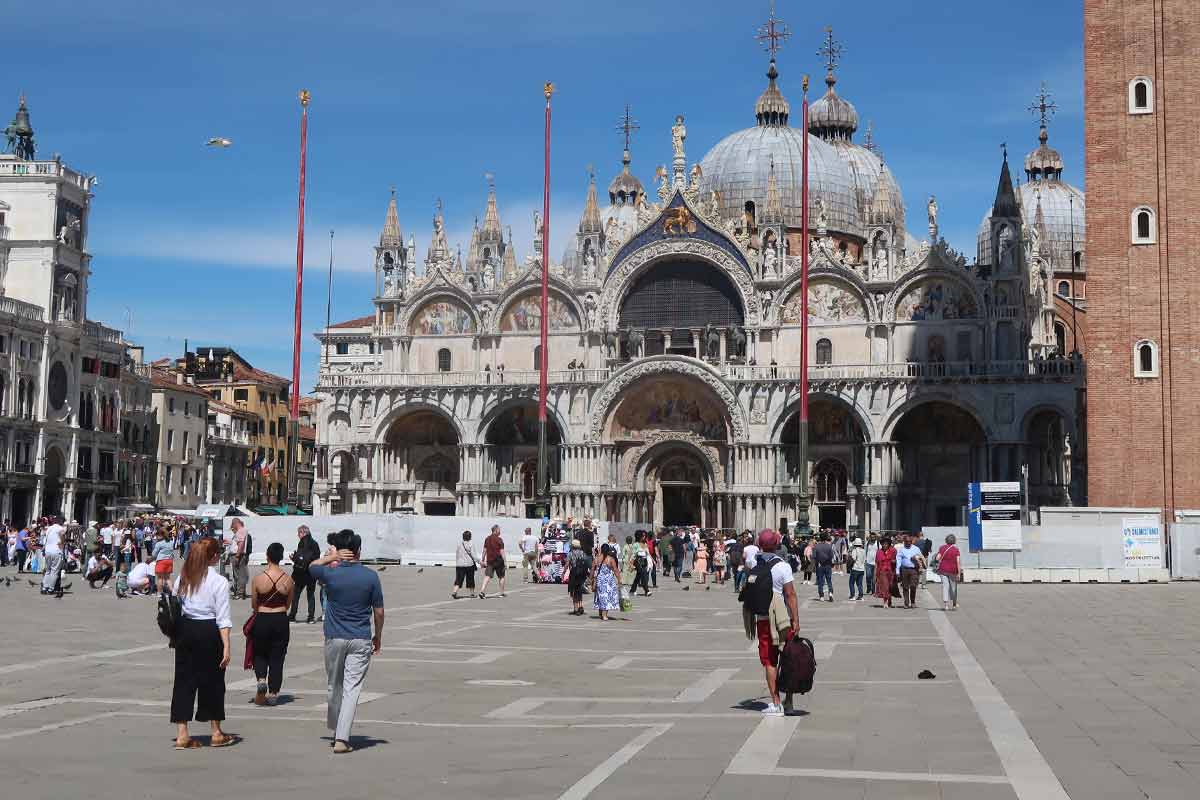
{"points": [[20, 506], [681, 505], [439, 509], [832, 517], [946, 515]]}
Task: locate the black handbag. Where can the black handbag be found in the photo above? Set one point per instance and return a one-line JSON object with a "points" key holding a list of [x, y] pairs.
{"points": [[170, 610]]}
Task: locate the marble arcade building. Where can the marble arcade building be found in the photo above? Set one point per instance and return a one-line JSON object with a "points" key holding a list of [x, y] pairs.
{"points": [[674, 347]]}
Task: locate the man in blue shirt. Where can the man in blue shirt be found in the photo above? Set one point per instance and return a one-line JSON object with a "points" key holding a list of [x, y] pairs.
{"points": [[353, 597], [909, 563], [22, 550]]}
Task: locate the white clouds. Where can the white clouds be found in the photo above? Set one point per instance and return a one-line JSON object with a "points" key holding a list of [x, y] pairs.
{"points": [[237, 246], [263, 247]]}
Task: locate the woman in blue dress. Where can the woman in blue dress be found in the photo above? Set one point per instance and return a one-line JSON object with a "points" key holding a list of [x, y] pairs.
{"points": [[608, 597]]}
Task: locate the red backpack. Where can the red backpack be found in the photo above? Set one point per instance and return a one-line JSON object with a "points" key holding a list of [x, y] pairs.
{"points": [[797, 666]]}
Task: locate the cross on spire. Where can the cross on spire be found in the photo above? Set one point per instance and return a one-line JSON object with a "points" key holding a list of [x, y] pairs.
{"points": [[627, 125], [491, 181], [1044, 107], [869, 142], [773, 33], [831, 51], [591, 172]]}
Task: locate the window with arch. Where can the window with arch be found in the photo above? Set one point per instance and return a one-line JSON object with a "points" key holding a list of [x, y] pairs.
{"points": [[1060, 337], [1143, 227], [537, 357], [1145, 359], [824, 352], [1077, 259], [1064, 288], [830, 479], [443, 360], [1141, 96]]}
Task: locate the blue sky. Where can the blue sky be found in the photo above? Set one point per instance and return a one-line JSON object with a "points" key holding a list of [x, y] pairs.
{"points": [[197, 243]]}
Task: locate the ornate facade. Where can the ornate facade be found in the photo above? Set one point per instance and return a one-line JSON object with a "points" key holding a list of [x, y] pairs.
{"points": [[674, 351]]}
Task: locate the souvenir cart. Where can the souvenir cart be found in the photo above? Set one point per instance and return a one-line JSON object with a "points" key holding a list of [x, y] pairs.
{"points": [[552, 554]]}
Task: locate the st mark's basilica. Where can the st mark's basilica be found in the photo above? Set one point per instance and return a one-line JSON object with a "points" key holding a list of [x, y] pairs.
{"points": [[674, 343]]}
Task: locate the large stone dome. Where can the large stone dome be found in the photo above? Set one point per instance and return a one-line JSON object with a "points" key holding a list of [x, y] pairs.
{"points": [[739, 166]]}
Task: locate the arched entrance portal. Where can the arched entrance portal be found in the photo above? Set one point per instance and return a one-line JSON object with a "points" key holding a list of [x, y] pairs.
{"points": [[341, 471], [836, 452], [679, 480], [512, 456], [940, 449], [52, 491], [420, 464], [1049, 457]]}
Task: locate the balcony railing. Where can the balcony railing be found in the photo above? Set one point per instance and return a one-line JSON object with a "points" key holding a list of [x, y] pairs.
{"points": [[19, 308], [105, 334], [903, 371], [48, 169]]}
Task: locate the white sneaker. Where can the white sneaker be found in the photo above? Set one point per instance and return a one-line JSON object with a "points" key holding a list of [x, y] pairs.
{"points": [[773, 710]]}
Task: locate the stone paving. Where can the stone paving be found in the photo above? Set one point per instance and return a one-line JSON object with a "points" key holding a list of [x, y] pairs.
{"points": [[1041, 692]]}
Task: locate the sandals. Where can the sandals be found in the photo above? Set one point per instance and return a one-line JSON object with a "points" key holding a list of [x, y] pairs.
{"points": [[222, 741], [186, 744]]}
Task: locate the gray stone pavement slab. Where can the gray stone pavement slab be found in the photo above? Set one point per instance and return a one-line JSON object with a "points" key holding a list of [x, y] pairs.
{"points": [[512, 697]]}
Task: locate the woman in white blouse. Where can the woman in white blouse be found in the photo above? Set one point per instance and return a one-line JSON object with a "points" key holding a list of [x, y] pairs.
{"points": [[201, 645]]}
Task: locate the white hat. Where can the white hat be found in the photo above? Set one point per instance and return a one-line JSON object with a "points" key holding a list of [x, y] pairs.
{"points": [[857, 541]]}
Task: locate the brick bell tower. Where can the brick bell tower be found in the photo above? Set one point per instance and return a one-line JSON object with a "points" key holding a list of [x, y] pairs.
{"points": [[1142, 106]]}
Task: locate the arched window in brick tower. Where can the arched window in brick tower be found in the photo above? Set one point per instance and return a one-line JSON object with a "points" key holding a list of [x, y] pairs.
{"points": [[1145, 359], [1144, 229], [1141, 96]]}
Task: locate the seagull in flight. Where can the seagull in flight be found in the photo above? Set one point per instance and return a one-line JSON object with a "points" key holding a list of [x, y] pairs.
{"points": [[219, 141]]}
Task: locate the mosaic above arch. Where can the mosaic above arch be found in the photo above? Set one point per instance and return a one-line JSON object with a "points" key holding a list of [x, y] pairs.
{"points": [[827, 303], [936, 300], [669, 404], [524, 315], [441, 318]]}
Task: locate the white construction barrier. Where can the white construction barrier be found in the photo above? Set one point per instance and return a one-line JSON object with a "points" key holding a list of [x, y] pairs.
{"points": [[407, 538]]}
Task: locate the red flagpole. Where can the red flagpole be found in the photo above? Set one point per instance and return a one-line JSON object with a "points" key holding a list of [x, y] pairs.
{"points": [[304, 98], [543, 362], [802, 502], [293, 439]]}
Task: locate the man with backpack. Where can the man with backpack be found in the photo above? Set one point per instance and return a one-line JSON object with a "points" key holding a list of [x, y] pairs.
{"points": [[768, 595]]}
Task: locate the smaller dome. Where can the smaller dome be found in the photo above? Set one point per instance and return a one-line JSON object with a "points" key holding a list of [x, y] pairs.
{"points": [[772, 107], [832, 117], [1045, 161], [625, 188]]}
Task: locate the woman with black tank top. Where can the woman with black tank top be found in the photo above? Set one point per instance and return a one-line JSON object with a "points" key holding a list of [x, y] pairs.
{"points": [[270, 598]]}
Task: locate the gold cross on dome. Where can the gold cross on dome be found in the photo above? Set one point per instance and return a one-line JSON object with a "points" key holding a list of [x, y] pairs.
{"points": [[773, 33], [831, 51], [1044, 107], [627, 125]]}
